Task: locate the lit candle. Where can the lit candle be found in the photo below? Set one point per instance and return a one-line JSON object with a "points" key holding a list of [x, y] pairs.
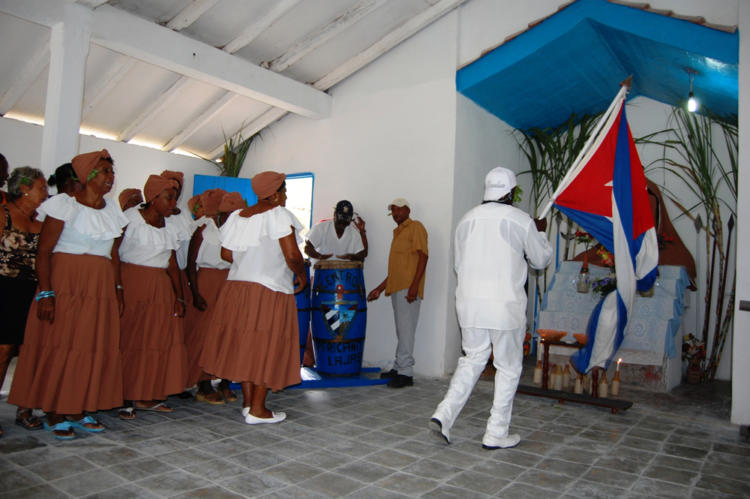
{"points": [[618, 364]]}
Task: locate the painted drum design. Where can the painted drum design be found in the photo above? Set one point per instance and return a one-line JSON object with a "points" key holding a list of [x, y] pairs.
{"points": [[339, 317]]}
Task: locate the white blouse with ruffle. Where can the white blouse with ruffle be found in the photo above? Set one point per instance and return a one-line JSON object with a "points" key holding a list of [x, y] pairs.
{"points": [[257, 253], [183, 226], [146, 245], [209, 253], [87, 231]]}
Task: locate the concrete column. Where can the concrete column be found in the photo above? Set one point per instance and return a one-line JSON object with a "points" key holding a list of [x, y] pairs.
{"points": [[741, 332], [69, 47]]}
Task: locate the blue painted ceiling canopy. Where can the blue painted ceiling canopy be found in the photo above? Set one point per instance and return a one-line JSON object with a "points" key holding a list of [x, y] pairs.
{"points": [[574, 61]]}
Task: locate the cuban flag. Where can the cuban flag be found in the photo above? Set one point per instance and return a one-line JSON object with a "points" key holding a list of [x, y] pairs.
{"points": [[605, 193]]}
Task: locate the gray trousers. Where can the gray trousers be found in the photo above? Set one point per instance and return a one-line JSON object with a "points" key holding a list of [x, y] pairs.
{"points": [[406, 316]]}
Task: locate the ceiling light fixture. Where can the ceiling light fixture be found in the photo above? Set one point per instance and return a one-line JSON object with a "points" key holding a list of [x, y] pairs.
{"points": [[692, 102]]}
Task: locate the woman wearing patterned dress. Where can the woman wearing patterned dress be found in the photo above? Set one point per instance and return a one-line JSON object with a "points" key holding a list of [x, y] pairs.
{"points": [[19, 238]]}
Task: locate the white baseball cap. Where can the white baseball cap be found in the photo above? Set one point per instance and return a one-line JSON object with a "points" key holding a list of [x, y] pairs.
{"points": [[398, 202], [498, 182]]}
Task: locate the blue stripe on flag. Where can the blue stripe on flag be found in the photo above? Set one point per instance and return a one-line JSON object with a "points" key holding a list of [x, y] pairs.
{"points": [[598, 226], [582, 357]]}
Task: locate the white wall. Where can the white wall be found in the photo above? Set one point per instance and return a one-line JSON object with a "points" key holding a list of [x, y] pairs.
{"points": [[741, 344], [391, 134], [21, 144]]}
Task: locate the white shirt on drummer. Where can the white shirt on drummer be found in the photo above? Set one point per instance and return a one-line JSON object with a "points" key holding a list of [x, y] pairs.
{"points": [[209, 253], [324, 239], [87, 230], [146, 245], [490, 244], [255, 247]]}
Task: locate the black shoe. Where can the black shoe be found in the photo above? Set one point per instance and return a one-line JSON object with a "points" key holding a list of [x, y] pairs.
{"points": [[401, 381], [389, 374]]}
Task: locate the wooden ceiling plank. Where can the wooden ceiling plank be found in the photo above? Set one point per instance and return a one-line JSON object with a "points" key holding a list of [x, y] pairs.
{"points": [[254, 30], [197, 123], [144, 40], [309, 43], [190, 14], [389, 41], [25, 77], [107, 81], [92, 4], [156, 107]]}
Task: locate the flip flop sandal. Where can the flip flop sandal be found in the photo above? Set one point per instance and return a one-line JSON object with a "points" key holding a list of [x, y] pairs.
{"points": [[29, 422], [158, 407], [87, 420], [63, 426], [213, 398], [126, 413]]}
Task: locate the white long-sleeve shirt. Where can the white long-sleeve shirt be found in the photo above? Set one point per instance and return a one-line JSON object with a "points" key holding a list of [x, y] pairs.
{"points": [[492, 245]]}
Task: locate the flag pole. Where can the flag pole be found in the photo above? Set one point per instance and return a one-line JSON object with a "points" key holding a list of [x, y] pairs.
{"points": [[572, 171]]}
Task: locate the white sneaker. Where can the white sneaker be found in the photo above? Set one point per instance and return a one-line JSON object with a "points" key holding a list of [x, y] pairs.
{"points": [[437, 426], [276, 417], [506, 442], [245, 411]]}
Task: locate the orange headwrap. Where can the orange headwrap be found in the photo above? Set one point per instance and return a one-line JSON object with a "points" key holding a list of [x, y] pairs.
{"points": [[176, 176], [127, 194], [211, 199], [84, 164], [231, 201], [155, 185], [265, 184]]}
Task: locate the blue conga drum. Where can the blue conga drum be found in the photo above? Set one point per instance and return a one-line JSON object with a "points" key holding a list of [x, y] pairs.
{"points": [[303, 313], [339, 317]]}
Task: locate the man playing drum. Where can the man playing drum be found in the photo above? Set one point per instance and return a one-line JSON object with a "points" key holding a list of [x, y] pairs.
{"points": [[337, 239]]}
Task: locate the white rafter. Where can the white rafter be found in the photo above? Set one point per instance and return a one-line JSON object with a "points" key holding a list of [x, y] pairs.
{"points": [[25, 77], [197, 123], [398, 35], [156, 107], [243, 39], [389, 41], [105, 83], [314, 40], [130, 35], [261, 24], [190, 14], [92, 4]]}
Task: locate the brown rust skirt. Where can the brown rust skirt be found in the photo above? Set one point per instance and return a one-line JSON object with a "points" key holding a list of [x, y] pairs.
{"points": [[210, 282], [154, 359], [253, 336], [73, 364]]}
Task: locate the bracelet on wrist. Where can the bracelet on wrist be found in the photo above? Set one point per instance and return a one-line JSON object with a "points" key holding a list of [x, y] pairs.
{"points": [[44, 294], [118, 286]]}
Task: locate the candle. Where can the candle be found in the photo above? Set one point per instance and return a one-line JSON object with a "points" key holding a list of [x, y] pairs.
{"points": [[603, 385], [578, 388], [538, 373], [618, 364], [615, 386]]}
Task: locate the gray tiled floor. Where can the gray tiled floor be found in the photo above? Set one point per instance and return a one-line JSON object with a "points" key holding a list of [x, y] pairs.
{"points": [[374, 442]]}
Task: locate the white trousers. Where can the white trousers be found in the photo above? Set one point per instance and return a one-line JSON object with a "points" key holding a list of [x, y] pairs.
{"points": [[507, 347]]}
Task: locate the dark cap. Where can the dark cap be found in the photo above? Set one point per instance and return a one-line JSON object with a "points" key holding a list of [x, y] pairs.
{"points": [[344, 208]]}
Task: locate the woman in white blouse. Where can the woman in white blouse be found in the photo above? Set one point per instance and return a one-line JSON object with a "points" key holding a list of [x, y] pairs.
{"points": [[254, 336], [151, 340], [70, 361]]}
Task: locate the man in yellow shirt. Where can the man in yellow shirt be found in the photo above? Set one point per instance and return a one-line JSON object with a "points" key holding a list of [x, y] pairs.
{"points": [[405, 285]]}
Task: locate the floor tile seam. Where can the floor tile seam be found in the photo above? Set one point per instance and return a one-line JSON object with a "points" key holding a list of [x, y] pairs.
{"points": [[47, 483], [95, 465], [150, 477]]}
